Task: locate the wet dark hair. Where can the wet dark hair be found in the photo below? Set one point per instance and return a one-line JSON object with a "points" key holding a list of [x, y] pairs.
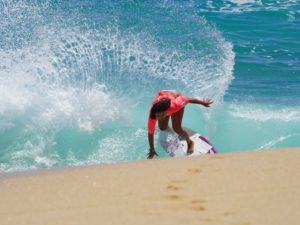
{"points": [[160, 106]]}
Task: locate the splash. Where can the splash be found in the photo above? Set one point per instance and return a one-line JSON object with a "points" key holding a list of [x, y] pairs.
{"points": [[238, 6], [65, 75]]}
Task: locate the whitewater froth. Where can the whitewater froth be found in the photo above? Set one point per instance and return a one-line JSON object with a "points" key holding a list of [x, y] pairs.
{"points": [[70, 75]]}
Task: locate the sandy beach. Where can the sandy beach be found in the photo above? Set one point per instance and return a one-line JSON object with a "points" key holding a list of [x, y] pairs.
{"points": [[257, 187]]}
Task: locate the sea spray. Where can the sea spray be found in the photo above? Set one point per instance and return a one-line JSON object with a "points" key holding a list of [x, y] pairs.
{"points": [[77, 79]]}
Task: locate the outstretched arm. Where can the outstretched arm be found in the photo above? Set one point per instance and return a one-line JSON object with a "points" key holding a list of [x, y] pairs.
{"points": [[205, 102], [152, 151]]}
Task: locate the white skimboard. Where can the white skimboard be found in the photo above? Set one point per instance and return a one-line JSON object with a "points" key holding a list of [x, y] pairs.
{"points": [[175, 145]]}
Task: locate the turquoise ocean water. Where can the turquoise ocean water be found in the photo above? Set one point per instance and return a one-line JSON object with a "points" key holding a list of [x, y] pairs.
{"points": [[77, 77]]}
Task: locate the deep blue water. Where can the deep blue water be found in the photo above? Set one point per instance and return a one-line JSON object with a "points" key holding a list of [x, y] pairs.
{"points": [[77, 77]]}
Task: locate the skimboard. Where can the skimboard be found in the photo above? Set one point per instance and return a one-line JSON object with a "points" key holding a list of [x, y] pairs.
{"points": [[175, 145]]}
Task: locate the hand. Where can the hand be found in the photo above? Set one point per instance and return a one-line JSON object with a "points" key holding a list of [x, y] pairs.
{"points": [[151, 154], [207, 102]]}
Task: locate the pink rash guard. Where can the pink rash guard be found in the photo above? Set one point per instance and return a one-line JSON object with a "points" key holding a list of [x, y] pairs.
{"points": [[177, 103]]}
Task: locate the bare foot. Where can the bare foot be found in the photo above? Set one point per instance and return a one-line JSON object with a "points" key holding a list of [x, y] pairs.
{"points": [[190, 149]]}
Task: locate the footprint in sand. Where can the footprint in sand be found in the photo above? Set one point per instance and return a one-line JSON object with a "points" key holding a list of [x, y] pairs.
{"points": [[174, 197], [173, 187], [198, 201], [197, 205], [198, 208], [194, 171]]}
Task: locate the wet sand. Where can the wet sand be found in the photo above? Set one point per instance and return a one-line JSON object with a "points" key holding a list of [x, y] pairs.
{"points": [[257, 187]]}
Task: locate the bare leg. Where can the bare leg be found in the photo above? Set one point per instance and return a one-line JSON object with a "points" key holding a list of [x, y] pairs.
{"points": [[163, 124], [176, 123]]}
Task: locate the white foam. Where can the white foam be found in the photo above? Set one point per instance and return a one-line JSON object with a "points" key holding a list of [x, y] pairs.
{"points": [[238, 6], [32, 155], [272, 143], [77, 108], [58, 74], [54, 77], [240, 2], [265, 113], [120, 146]]}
